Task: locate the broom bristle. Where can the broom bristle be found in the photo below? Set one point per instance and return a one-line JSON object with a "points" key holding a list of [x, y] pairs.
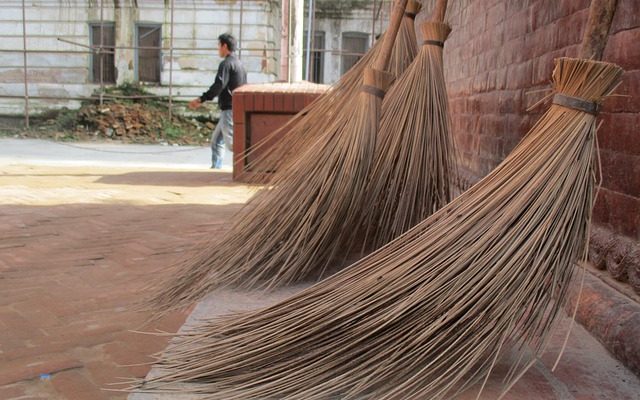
{"points": [[299, 225], [429, 313], [415, 158], [254, 251], [265, 157]]}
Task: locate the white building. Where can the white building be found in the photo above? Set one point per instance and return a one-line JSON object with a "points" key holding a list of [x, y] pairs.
{"points": [[61, 66]]}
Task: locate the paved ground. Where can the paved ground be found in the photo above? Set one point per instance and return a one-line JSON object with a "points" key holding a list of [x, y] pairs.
{"points": [[80, 240], [45, 152]]}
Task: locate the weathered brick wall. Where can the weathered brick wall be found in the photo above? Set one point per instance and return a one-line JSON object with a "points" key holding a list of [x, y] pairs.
{"points": [[499, 60], [258, 112]]}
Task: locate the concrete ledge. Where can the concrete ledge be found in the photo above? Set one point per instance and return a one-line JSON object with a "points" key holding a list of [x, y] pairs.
{"points": [[611, 317], [586, 369], [616, 254]]}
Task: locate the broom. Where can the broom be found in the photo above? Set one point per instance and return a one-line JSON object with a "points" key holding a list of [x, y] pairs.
{"points": [[431, 312], [264, 158], [415, 159], [296, 228]]}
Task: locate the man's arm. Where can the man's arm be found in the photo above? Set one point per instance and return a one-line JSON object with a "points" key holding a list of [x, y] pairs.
{"points": [[221, 81]]}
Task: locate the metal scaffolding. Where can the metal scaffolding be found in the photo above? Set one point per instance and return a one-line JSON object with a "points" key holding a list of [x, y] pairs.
{"points": [[101, 49]]}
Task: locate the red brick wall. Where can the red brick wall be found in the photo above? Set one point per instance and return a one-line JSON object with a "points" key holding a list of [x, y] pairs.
{"points": [[258, 112], [498, 58]]}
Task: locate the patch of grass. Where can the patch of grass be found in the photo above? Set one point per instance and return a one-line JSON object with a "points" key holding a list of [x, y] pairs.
{"points": [[8, 133], [171, 131], [66, 119]]}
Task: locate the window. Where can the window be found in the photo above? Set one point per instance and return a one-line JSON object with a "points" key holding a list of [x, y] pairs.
{"points": [[148, 60], [103, 64], [317, 57], [354, 45]]}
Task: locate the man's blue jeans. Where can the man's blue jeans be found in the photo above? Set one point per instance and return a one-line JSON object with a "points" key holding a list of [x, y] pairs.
{"points": [[222, 136]]}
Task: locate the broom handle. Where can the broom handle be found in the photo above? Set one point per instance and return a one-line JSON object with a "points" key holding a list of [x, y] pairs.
{"points": [[390, 36], [595, 36], [439, 10]]}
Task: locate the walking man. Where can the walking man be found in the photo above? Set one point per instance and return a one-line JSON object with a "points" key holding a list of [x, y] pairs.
{"points": [[231, 74]]}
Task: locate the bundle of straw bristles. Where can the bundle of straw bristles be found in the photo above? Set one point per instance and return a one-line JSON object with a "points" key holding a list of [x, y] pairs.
{"points": [[450, 285], [300, 226], [431, 312]]}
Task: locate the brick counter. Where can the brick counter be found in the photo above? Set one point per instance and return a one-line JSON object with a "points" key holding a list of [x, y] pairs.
{"points": [[259, 110]]}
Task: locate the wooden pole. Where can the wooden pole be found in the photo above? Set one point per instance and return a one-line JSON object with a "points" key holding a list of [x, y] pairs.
{"points": [[595, 37], [439, 11], [390, 36]]}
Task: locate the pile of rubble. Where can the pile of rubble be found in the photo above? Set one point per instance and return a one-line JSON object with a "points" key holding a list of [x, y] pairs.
{"points": [[142, 123], [130, 115]]}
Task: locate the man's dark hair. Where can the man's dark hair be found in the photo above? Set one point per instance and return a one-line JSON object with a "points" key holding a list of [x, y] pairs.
{"points": [[229, 40]]}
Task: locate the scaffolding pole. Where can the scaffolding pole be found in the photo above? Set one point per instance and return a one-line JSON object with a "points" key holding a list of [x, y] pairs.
{"points": [[313, 34], [100, 50], [381, 16], [373, 23], [284, 41], [310, 17], [240, 33], [96, 48], [24, 53], [171, 67]]}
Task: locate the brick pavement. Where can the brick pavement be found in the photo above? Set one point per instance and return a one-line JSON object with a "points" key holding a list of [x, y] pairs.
{"points": [[77, 246]]}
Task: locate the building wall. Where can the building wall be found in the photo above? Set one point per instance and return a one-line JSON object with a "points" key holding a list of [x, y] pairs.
{"points": [[498, 62], [50, 74], [197, 23], [359, 20]]}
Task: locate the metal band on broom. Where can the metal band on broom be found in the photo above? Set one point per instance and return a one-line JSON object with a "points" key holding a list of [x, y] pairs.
{"points": [[431, 312], [298, 227], [264, 158]]}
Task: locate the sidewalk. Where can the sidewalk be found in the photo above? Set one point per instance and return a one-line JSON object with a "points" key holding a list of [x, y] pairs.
{"points": [[45, 152]]}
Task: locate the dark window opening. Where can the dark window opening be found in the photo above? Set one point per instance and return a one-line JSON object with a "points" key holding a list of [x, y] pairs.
{"points": [[103, 63], [354, 45], [149, 60], [316, 63]]}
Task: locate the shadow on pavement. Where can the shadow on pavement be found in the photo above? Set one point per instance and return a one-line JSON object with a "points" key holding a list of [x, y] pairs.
{"points": [[171, 178]]}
